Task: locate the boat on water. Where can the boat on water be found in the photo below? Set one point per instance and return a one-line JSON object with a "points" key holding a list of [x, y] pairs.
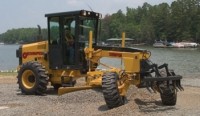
{"points": [[161, 44], [177, 45], [1, 43], [164, 44], [189, 44]]}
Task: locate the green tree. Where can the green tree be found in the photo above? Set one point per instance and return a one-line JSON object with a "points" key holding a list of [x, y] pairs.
{"points": [[21, 35]]}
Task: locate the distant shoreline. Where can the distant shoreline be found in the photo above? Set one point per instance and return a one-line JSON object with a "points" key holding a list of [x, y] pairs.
{"points": [[7, 71]]}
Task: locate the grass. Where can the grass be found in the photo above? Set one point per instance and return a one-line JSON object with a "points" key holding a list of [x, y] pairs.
{"points": [[8, 73]]}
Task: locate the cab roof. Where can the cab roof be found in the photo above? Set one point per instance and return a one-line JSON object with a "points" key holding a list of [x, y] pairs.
{"points": [[75, 13]]}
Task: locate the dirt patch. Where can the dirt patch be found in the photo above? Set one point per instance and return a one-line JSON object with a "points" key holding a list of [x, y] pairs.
{"points": [[7, 79], [11, 105]]}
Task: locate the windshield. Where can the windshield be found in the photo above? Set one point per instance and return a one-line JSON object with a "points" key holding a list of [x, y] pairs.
{"points": [[87, 25]]}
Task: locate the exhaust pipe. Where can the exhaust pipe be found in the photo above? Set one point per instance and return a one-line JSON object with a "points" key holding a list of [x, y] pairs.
{"points": [[39, 37]]}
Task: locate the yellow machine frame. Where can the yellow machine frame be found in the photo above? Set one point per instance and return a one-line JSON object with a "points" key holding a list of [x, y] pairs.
{"points": [[131, 63], [94, 78], [136, 69]]}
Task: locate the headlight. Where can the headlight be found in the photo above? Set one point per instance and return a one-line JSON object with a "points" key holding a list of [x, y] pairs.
{"points": [[84, 13]]}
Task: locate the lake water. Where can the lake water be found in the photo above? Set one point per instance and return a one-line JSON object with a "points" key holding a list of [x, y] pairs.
{"points": [[185, 61], [8, 60]]}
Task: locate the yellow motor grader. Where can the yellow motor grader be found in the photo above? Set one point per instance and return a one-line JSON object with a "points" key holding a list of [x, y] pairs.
{"points": [[60, 62]]}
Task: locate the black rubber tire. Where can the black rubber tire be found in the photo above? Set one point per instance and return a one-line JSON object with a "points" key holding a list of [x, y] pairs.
{"points": [[168, 94], [110, 90], [32, 78], [169, 97]]}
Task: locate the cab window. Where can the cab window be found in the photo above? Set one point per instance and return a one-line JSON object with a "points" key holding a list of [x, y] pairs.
{"points": [[54, 27], [87, 25]]}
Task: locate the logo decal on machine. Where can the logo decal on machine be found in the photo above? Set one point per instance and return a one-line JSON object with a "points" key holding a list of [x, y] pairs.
{"points": [[115, 54], [26, 54]]}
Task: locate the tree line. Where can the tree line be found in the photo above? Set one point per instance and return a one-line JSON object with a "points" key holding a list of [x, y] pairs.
{"points": [[175, 22], [22, 35]]}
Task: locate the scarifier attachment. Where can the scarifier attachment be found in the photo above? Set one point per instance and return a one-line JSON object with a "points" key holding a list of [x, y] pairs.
{"points": [[163, 78]]}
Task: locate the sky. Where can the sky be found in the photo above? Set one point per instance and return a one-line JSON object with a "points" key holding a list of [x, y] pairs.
{"points": [[30, 13]]}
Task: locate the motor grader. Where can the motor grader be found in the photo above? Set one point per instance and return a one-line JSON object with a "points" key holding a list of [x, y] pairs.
{"points": [[56, 63]]}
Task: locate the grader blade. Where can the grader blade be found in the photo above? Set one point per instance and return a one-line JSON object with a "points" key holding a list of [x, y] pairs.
{"points": [[63, 90]]}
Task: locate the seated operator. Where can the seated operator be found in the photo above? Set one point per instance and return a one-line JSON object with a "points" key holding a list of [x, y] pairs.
{"points": [[69, 38], [70, 46]]}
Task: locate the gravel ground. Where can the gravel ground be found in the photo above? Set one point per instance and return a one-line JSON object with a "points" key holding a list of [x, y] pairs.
{"points": [[91, 102]]}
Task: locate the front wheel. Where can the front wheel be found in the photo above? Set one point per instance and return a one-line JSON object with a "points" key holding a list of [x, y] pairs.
{"points": [[110, 90], [169, 96], [169, 93], [32, 78]]}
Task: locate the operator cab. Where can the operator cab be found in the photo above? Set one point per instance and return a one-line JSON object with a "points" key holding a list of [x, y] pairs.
{"points": [[68, 34]]}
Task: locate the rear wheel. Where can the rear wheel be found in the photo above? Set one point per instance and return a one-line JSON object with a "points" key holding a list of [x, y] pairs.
{"points": [[110, 90], [32, 78]]}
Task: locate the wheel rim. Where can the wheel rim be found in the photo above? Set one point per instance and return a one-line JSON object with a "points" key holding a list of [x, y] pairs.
{"points": [[28, 79]]}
